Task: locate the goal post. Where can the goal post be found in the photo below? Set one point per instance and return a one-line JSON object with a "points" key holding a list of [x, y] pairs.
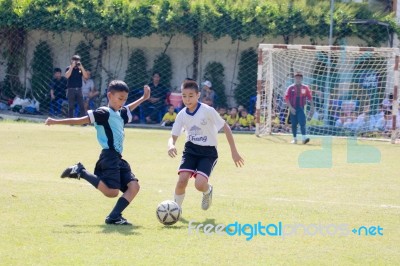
{"points": [[354, 89]]}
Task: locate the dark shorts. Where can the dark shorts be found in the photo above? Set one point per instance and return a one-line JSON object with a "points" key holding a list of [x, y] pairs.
{"points": [[198, 159], [114, 171]]}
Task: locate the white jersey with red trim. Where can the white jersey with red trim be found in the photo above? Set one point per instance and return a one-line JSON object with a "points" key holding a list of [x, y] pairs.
{"points": [[201, 126]]}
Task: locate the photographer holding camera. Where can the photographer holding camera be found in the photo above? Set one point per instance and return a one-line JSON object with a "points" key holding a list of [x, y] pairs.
{"points": [[74, 74]]}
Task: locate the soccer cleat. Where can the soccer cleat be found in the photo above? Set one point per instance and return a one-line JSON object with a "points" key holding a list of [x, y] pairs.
{"points": [[307, 140], [73, 171], [117, 221], [294, 141], [207, 199]]}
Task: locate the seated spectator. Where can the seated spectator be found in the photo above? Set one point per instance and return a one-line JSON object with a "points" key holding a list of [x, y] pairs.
{"points": [[246, 120], [316, 119], [169, 118], [365, 122], [58, 92], [222, 112], [93, 97], [208, 101], [207, 94], [385, 123], [387, 104], [346, 120], [233, 118], [88, 91], [156, 104], [4, 101]]}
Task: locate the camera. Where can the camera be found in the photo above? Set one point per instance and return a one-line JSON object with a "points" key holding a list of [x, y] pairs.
{"points": [[78, 63]]}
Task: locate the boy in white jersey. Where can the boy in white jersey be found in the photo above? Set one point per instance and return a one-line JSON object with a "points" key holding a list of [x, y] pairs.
{"points": [[201, 124]]}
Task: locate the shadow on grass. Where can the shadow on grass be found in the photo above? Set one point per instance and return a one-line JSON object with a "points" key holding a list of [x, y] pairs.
{"points": [[106, 229], [183, 223]]}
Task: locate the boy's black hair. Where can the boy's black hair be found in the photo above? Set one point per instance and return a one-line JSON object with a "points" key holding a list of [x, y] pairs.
{"points": [[156, 72], [190, 84], [118, 85], [170, 105], [57, 69]]}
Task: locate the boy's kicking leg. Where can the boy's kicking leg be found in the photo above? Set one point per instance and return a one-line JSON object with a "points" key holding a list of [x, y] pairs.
{"points": [[130, 189], [78, 171]]}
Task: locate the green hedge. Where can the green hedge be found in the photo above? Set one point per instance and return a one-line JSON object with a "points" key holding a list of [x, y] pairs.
{"points": [[236, 19]]}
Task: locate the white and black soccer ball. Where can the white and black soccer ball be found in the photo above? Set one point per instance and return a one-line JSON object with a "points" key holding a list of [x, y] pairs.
{"points": [[168, 212]]}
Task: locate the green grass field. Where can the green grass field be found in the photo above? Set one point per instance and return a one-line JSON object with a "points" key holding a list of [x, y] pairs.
{"points": [[49, 221]]}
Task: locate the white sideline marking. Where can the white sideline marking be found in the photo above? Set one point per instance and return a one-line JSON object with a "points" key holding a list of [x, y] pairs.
{"points": [[334, 202]]}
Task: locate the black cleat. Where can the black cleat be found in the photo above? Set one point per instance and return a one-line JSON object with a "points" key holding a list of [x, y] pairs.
{"points": [[117, 221], [73, 171], [307, 140]]}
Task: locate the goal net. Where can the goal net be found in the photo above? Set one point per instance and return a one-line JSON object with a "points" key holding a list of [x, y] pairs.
{"points": [[354, 89]]}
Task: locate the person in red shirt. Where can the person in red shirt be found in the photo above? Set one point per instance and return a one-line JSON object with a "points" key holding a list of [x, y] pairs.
{"points": [[296, 97]]}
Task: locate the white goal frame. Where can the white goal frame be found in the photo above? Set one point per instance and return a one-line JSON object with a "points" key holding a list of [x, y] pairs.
{"points": [[265, 80]]}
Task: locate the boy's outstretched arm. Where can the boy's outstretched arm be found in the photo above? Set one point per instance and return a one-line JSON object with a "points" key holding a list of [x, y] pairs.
{"points": [[146, 95], [172, 152], [235, 155], [68, 121]]}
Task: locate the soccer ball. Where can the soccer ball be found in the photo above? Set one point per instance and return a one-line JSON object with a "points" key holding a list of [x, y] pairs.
{"points": [[168, 212]]}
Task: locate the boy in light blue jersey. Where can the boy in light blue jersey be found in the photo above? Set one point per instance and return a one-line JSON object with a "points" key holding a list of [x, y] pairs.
{"points": [[112, 173]]}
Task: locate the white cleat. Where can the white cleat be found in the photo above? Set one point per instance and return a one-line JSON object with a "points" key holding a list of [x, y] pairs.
{"points": [[207, 199]]}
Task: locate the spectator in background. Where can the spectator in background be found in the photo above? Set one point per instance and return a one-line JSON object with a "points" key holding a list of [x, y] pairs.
{"points": [[74, 73], [58, 92], [387, 104], [385, 124], [207, 93], [208, 101], [347, 120], [169, 117], [88, 91], [233, 118], [365, 121], [222, 112], [156, 104], [4, 101], [246, 120]]}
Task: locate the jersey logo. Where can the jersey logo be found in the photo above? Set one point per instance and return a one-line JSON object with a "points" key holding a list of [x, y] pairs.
{"points": [[194, 130]]}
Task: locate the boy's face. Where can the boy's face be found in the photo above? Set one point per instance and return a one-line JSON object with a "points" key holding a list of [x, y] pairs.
{"points": [[117, 99], [222, 111], [171, 109], [190, 98], [244, 113], [233, 111]]}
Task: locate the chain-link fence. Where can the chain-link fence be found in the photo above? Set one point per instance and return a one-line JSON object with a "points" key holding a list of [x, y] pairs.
{"points": [[212, 42]]}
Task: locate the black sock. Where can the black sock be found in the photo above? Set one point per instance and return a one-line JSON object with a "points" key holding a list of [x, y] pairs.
{"points": [[91, 178], [122, 203]]}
